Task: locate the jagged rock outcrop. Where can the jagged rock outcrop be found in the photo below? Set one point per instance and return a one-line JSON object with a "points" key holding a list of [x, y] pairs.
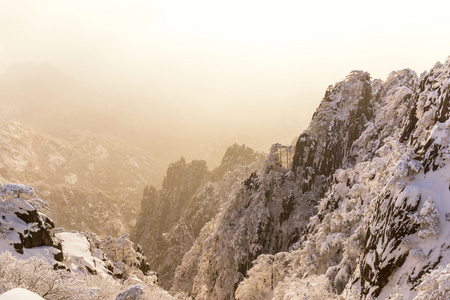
{"points": [[382, 224], [162, 210], [172, 218], [25, 228], [270, 212], [406, 239], [338, 121], [336, 234]]}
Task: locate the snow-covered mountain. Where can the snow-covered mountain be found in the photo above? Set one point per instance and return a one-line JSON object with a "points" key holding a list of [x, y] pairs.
{"points": [[270, 212], [172, 217], [360, 212], [358, 209], [92, 182]]}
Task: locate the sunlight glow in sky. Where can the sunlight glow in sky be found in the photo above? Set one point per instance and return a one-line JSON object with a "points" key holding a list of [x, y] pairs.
{"points": [[261, 65]]}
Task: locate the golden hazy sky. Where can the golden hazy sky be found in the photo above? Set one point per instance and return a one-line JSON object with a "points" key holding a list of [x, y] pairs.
{"points": [[263, 65]]}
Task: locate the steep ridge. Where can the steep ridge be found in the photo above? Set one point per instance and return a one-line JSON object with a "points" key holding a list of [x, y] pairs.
{"points": [[410, 223], [161, 211], [67, 174], [380, 227], [336, 124], [172, 218], [336, 234], [270, 211]]}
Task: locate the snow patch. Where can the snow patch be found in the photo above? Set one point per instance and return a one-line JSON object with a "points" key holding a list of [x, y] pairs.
{"points": [[20, 294], [77, 251]]}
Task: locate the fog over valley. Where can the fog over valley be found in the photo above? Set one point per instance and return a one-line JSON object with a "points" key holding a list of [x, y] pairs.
{"points": [[43, 97]]}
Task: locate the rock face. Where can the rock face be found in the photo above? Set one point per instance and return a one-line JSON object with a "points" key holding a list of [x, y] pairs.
{"points": [[407, 239], [269, 213], [372, 172], [161, 211], [26, 228], [191, 196], [40, 237], [341, 117], [98, 177]]}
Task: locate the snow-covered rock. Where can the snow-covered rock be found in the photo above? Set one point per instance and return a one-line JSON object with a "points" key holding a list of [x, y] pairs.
{"points": [[271, 209], [172, 218], [382, 225], [25, 231], [64, 265], [375, 161]]}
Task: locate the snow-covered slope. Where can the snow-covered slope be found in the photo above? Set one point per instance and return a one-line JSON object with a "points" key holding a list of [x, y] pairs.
{"points": [[37, 259], [412, 209], [375, 161], [93, 182], [382, 224], [20, 294]]}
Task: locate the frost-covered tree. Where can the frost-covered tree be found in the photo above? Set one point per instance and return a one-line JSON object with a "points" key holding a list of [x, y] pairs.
{"points": [[37, 275], [435, 285], [429, 219], [5, 208], [121, 253], [14, 190], [259, 284], [11, 190], [397, 295], [311, 288], [264, 276]]}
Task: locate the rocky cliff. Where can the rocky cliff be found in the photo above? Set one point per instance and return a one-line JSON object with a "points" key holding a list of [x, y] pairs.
{"points": [[371, 171], [269, 213], [171, 218]]}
